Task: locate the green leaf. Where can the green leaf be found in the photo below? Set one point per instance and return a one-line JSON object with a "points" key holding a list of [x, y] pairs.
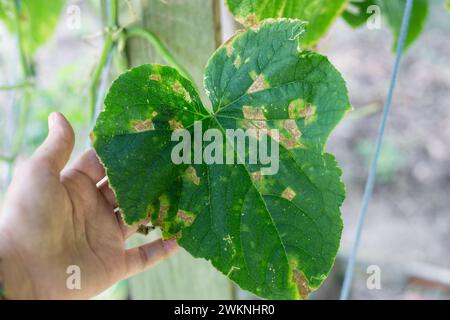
{"points": [[37, 19], [356, 14], [393, 13], [320, 14], [274, 235], [394, 10]]}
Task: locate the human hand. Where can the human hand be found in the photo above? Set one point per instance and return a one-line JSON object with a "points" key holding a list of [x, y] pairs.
{"points": [[54, 217]]}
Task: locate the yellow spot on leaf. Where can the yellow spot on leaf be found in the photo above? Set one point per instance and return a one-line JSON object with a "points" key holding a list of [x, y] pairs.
{"points": [[155, 77], [178, 88], [174, 124], [256, 176], [258, 84], [92, 137], [229, 48], [141, 126], [250, 20], [191, 175], [186, 218], [237, 62], [288, 194]]}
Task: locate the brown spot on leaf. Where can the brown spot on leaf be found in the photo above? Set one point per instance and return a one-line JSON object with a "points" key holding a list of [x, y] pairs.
{"points": [[308, 113], [258, 84], [302, 284], [141, 126], [191, 175], [250, 20], [292, 140], [185, 217], [298, 108], [253, 113], [155, 77], [288, 194], [256, 176], [178, 88], [174, 124], [144, 229]]}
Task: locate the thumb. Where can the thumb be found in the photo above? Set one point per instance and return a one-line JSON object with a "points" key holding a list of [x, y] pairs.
{"points": [[58, 146]]}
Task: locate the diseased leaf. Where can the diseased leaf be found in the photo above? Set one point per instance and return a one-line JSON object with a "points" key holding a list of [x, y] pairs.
{"points": [[320, 14], [393, 13], [38, 20], [274, 235]]}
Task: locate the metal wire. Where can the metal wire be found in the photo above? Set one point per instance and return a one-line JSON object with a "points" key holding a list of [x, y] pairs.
{"points": [[373, 166]]}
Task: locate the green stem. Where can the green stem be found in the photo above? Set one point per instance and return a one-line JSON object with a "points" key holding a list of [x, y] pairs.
{"points": [[24, 61], [107, 46], [28, 74], [109, 42], [159, 46]]}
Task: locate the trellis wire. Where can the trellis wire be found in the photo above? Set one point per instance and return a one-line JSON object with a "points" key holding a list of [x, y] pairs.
{"points": [[373, 166]]}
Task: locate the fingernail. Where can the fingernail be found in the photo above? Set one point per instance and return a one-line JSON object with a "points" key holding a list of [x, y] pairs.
{"points": [[52, 119]]}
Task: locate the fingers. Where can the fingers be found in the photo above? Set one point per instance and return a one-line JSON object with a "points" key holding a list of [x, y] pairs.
{"points": [[55, 151], [90, 165], [143, 257]]}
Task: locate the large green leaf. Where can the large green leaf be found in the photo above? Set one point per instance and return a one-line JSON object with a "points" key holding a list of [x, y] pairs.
{"points": [[320, 14], [37, 20], [393, 11], [274, 235]]}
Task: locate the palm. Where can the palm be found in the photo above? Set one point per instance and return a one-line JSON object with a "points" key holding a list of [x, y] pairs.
{"points": [[54, 219]]}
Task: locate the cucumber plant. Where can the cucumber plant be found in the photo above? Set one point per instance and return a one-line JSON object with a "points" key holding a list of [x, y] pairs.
{"points": [[276, 236]]}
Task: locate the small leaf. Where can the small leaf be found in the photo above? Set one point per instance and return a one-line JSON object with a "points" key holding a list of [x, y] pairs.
{"points": [[274, 235], [320, 14], [393, 12]]}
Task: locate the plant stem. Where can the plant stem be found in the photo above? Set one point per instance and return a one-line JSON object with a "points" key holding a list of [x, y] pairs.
{"points": [[28, 74], [107, 47], [109, 42], [159, 46]]}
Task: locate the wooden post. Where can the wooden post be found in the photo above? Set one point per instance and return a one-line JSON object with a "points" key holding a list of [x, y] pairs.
{"points": [[191, 31]]}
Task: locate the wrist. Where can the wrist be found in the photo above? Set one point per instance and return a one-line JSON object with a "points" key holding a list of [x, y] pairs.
{"points": [[13, 281]]}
